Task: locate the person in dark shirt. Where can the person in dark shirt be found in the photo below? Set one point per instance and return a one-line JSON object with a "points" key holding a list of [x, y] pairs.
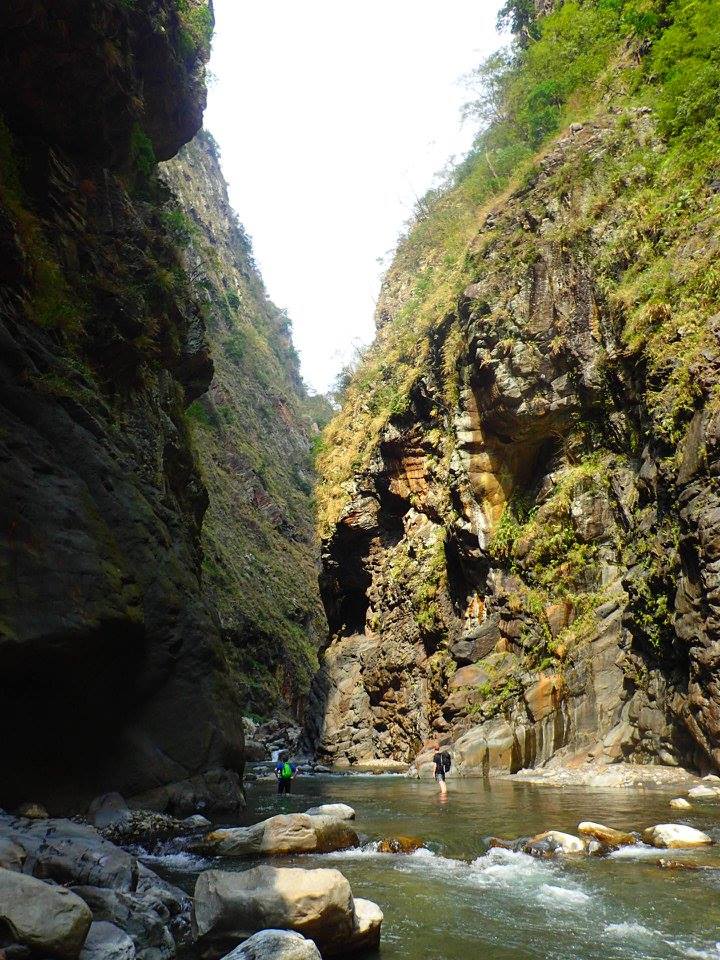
{"points": [[441, 760]]}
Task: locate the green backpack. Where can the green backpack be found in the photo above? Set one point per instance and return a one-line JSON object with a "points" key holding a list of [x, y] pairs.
{"points": [[286, 772]]}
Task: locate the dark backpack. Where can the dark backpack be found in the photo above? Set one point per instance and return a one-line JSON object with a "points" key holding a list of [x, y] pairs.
{"points": [[445, 761]]}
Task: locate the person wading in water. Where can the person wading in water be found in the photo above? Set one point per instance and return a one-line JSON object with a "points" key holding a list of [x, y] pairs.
{"points": [[285, 773], [442, 763]]}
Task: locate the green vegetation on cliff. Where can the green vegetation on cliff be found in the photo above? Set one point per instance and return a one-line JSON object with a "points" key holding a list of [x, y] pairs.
{"points": [[657, 270], [252, 431]]}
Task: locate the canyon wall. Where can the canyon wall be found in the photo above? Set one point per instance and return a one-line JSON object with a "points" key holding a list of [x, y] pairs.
{"points": [[252, 431], [519, 500], [121, 666]]}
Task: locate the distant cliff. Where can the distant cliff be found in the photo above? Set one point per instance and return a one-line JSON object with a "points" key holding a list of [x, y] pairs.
{"points": [[519, 502], [252, 431]]}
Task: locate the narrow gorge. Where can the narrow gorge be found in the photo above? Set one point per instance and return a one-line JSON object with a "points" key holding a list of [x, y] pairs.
{"points": [[491, 553]]}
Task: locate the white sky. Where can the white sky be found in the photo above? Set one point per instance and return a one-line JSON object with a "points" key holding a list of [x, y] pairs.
{"points": [[332, 116]]}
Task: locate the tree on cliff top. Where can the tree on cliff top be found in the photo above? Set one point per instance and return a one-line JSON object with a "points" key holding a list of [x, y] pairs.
{"points": [[519, 16]]}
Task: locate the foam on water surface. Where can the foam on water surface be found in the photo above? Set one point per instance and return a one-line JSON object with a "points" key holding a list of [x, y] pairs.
{"points": [[179, 861]]}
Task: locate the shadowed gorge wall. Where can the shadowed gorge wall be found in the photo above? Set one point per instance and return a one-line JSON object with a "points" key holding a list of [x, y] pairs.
{"points": [[522, 480], [112, 667]]}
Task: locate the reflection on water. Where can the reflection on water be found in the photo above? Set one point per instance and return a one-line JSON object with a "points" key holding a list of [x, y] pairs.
{"points": [[455, 899]]}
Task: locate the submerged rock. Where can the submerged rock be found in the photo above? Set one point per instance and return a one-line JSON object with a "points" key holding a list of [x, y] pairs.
{"points": [[680, 803], [316, 903], [683, 865], [675, 835], [338, 811], [399, 844], [275, 945], [502, 844], [49, 919], [279, 835]]}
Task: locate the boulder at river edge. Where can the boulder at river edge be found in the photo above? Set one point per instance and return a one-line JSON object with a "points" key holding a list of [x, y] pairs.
{"points": [[105, 941], [675, 835], [704, 792], [283, 834], [316, 903], [50, 920], [276, 945]]}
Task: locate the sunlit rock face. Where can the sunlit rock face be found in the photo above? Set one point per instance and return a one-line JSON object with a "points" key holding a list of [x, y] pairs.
{"points": [[529, 572], [111, 665]]}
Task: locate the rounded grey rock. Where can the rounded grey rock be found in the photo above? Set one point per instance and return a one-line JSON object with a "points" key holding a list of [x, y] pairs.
{"points": [[275, 945]]}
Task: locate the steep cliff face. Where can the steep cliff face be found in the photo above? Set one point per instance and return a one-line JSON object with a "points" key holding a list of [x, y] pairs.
{"points": [[252, 433], [112, 669], [521, 533]]}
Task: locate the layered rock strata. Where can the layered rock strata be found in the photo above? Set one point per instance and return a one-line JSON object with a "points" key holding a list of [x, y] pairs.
{"points": [[525, 565]]}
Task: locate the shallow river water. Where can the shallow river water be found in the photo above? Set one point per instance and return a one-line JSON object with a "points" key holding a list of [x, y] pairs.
{"points": [[455, 900]]}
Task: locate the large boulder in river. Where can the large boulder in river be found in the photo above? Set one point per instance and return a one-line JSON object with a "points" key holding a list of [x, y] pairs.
{"points": [[606, 835], [280, 835], [675, 835], [50, 920], [316, 903], [559, 842], [276, 945]]}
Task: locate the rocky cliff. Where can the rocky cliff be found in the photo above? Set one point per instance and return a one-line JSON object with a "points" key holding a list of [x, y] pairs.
{"points": [[116, 671], [519, 504], [252, 431]]}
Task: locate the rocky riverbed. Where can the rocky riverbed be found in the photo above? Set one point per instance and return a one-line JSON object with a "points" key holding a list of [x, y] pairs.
{"points": [[598, 871]]}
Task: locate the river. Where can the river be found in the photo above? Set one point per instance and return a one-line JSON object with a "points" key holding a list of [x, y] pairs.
{"points": [[455, 900]]}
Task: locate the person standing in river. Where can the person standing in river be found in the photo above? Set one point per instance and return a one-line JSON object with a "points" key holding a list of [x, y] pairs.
{"points": [[284, 773], [442, 763]]}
